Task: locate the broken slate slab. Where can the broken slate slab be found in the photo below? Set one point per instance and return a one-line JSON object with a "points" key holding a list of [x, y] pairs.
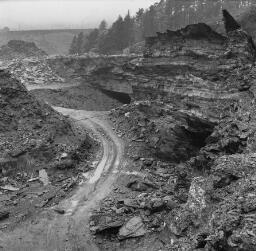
{"points": [[115, 224], [133, 228], [43, 177], [9, 188]]}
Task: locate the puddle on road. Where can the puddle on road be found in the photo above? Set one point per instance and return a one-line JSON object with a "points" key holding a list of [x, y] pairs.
{"points": [[88, 175], [100, 168]]}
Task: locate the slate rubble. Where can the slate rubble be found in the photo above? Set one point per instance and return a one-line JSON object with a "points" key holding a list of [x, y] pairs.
{"points": [[204, 200], [34, 139]]}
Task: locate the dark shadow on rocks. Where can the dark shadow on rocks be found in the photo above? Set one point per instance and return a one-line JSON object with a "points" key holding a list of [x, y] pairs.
{"points": [[229, 22], [124, 98]]}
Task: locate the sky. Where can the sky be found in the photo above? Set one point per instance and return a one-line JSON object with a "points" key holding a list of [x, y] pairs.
{"points": [[56, 14]]}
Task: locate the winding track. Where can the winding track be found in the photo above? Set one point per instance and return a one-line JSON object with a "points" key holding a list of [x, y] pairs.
{"points": [[52, 232]]}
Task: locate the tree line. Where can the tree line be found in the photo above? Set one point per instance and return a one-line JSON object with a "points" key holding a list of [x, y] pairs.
{"points": [[167, 14]]}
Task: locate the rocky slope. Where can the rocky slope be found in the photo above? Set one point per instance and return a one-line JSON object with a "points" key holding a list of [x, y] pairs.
{"points": [[41, 151], [21, 114], [27, 63], [32, 71], [91, 91], [190, 180]]}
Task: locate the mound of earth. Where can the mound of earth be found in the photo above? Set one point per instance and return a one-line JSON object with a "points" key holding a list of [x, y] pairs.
{"points": [[17, 49], [41, 151]]}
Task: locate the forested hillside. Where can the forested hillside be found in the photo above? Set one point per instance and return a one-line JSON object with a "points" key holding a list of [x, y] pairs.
{"points": [[167, 14]]}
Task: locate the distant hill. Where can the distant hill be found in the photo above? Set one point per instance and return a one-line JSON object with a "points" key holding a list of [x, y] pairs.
{"points": [[51, 41]]}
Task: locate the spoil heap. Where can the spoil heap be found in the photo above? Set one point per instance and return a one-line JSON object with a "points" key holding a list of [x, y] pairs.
{"points": [[35, 141], [17, 49], [27, 63], [30, 128], [33, 71]]}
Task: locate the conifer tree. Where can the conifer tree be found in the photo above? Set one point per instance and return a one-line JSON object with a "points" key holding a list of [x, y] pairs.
{"points": [[103, 26], [73, 47], [128, 27], [80, 43]]}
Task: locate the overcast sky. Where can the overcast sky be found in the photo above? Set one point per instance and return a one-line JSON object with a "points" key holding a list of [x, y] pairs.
{"points": [[46, 14]]}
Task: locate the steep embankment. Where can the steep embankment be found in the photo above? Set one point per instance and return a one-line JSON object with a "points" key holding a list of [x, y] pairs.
{"points": [[41, 152], [70, 231], [98, 92], [27, 124], [200, 193]]}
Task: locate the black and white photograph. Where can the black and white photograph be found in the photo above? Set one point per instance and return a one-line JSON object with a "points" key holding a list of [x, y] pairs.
{"points": [[127, 125]]}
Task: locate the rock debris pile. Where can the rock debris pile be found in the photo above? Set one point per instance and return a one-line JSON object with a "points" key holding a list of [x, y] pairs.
{"points": [[39, 149], [18, 49], [27, 63], [33, 71]]}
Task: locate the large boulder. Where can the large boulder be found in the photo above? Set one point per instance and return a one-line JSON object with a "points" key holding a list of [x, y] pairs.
{"points": [[132, 228]]}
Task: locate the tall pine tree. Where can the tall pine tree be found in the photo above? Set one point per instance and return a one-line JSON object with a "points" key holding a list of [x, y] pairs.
{"points": [[73, 46], [128, 27]]}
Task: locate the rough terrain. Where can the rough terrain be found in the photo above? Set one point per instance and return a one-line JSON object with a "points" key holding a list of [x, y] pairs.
{"points": [[191, 182], [17, 49], [42, 153], [183, 176], [50, 231]]}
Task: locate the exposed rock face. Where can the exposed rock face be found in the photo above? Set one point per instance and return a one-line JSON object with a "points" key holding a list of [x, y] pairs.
{"points": [[204, 85], [192, 63], [20, 49], [173, 135], [101, 72], [202, 68], [172, 43]]}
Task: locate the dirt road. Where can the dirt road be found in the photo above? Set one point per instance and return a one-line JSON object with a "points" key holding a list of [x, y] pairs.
{"points": [[50, 231], [53, 86]]}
